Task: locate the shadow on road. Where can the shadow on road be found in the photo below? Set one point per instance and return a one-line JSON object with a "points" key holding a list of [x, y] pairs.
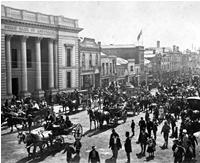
{"points": [[40, 156], [110, 160], [93, 132]]}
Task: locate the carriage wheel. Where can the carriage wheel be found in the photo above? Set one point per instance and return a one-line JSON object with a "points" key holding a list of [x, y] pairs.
{"points": [[78, 131]]}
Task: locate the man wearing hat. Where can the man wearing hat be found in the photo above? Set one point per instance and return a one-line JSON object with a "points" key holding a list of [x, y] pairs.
{"points": [[114, 143], [93, 156], [178, 151], [165, 130]]}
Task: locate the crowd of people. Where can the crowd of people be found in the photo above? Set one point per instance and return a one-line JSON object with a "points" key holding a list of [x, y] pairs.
{"points": [[168, 105]]}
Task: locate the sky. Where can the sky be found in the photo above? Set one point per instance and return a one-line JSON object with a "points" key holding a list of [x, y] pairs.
{"points": [[120, 22]]}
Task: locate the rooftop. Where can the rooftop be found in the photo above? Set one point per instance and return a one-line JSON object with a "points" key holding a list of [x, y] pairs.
{"points": [[37, 18], [118, 46], [121, 61]]}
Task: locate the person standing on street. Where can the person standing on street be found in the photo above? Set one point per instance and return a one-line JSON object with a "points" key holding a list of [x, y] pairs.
{"points": [[114, 144], [149, 126], [165, 130], [70, 151], [128, 147], [77, 145], [194, 142], [93, 156], [178, 151], [142, 125], [154, 128], [143, 141], [133, 128]]}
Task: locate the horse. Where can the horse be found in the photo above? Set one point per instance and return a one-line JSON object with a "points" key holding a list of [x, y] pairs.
{"points": [[102, 116], [35, 140], [13, 119]]}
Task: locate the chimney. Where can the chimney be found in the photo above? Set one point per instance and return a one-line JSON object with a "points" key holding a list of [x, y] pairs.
{"points": [[158, 44], [99, 43], [174, 48], [177, 48], [163, 50]]}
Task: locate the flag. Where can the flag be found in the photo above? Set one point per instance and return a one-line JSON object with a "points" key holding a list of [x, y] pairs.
{"points": [[138, 37]]}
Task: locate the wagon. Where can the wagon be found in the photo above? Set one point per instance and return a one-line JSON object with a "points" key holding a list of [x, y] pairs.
{"points": [[118, 113], [59, 132]]}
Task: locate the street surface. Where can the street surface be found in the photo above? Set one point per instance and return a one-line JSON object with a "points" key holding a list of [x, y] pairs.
{"points": [[12, 152]]}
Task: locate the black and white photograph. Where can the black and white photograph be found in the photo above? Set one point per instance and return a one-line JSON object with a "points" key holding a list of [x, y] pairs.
{"points": [[100, 81]]}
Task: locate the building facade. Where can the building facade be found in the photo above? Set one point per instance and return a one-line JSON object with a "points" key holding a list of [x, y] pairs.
{"points": [[121, 70], [39, 53], [90, 63], [108, 69], [165, 61], [128, 52]]}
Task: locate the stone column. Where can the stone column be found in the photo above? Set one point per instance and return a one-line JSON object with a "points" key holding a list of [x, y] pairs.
{"points": [[52, 91], [24, 91], [55, 50], [50, 64], [8, 64], [38, 86]]}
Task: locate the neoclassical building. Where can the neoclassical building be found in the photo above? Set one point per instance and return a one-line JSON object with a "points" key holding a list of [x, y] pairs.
{"points": [[39, 53]]}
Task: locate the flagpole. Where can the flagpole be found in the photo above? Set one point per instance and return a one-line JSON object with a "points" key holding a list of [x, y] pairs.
{"points": [[142, 38]]}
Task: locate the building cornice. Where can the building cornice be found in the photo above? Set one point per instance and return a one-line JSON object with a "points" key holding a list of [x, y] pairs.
{"points": [[90, 49], [43, 25]]}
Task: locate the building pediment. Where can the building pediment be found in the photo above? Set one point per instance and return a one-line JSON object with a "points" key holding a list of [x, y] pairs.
{"points": [[89, 43]]}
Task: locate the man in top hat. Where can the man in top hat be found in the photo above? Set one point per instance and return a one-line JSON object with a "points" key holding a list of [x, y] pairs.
{"points": [[93, 156], [178, 151]]}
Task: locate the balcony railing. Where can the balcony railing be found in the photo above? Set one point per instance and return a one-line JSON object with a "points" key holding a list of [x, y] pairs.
{"points": [[8, 12]]}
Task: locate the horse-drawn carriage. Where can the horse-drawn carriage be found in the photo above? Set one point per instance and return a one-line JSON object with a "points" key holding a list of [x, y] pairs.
{"points": [[192, 115], [55, 135], [117, 113], [109, 114]]}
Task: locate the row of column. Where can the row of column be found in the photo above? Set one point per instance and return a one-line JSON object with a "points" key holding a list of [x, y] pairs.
{"points": [[52, 60]]}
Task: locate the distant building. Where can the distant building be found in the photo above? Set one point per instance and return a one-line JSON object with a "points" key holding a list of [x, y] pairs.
{"points": [[108, 69], [90, 63], [132, 76], [128, 52], [122, 70], [165, 61], [39, 53]]}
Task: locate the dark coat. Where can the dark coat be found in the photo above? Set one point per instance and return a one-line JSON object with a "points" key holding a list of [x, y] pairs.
{"points": [[118, 143], [143, 138], [94, 158], [127, 145]]}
